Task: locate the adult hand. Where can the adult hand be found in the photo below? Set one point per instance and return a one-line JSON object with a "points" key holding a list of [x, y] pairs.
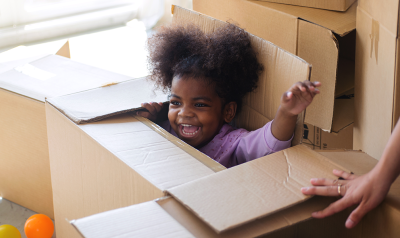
{"points": [[367, 190]]}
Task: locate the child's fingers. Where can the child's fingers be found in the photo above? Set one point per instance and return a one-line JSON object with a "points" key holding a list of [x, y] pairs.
{"points": [[144, 114], [150, 108], [287, 96], [157, 106], [316, 84]]}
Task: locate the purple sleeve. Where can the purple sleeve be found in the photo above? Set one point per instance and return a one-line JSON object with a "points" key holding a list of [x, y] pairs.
{"points": [[259, 143]]}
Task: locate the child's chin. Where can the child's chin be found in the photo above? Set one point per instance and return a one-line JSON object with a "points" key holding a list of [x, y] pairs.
{"points": [[190, 141]]}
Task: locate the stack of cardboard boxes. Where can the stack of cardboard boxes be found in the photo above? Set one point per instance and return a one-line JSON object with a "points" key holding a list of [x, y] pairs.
{"points": [[101, 159]]}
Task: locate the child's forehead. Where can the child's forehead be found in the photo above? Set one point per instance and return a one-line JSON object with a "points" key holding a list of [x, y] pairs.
{"points": [[192, 88]]}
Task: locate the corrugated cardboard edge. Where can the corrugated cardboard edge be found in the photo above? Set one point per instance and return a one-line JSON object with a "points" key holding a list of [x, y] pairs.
{"points": [[203, 158], [72, 222], [320, 156], [79, 120], [341, 31], [238, 225], [396, 97], [331, 5]]}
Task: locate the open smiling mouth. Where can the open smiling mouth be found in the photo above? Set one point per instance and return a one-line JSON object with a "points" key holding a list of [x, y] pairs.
{"points": [[188, 130]]}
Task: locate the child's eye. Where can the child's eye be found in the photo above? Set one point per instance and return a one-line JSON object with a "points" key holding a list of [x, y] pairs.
{"points": [[200, 105], [175, 103]]}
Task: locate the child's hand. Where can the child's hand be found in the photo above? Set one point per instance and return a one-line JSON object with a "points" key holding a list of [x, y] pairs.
{"points": [[152, 108], [298, 97]]}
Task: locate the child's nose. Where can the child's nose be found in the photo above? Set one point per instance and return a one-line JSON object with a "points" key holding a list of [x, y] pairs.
{"points": [[186, 112]]}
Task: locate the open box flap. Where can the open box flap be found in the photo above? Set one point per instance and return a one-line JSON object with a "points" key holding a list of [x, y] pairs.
{"points": [[142, 220], [256, 189], [356, 161], [98, 103], [54, 75], [339, 22]]}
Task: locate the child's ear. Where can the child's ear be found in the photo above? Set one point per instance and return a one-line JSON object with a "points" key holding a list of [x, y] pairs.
{"points": [[230, 111]]}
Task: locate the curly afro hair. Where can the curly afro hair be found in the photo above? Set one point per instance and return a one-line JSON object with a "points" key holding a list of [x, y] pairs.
{"points": [[224, 58]]}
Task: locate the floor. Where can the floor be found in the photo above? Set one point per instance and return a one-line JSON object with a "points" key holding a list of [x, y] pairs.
{"points": [[15, 215]]}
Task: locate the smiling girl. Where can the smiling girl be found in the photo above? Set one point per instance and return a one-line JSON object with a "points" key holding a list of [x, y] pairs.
{"points": [[207, 75]]}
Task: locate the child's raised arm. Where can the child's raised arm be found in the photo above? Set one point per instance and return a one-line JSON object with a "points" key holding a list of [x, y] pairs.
{"points": [[293, 102]]}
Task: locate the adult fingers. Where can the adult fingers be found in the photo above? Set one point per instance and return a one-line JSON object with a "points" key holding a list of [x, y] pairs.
{"points": [[333, 208], [322, 191], [326, 182], [344, 174], [356, 216]]}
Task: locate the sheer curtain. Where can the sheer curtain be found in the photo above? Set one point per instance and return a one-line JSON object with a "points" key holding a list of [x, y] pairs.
{"points": [[24, 21]]}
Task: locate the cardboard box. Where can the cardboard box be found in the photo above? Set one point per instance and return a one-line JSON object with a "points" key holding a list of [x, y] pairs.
{"points": [[24, 85], [315, 35], [342, 128], [339, 5], [124, 159], [236, 204], [377, 75], [317, 139]]}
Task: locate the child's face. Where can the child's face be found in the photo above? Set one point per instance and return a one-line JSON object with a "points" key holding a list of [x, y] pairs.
{"points": [[195, 111]]}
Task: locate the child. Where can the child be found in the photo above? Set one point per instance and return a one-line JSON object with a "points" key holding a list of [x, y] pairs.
{"points": [[207, 75]]}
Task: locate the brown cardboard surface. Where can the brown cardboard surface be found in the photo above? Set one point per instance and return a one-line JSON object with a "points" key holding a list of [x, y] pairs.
{"points": [[339, 22], [375, 77], [265, 185], [317, 139], [341, 5], [25, 168], [290, 222], [64, 50], [386, 14], [311, 30], [313, 39], [247, 15]]}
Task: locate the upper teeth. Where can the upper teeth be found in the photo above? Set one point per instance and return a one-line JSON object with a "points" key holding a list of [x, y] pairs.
{"points": [[185, 125]]}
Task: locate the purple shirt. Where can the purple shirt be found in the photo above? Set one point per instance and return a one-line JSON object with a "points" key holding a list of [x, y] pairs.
{"points": [[231, 147]]}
